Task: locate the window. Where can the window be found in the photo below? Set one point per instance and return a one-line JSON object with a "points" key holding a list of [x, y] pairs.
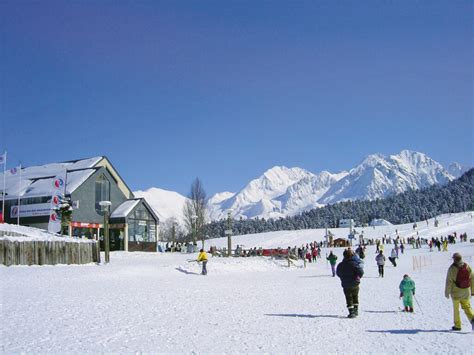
{"points": [[102, 192], [141, 226]]}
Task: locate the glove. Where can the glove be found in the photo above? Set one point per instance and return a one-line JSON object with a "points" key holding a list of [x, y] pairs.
{"points": [[413, 293], [401, 295]]}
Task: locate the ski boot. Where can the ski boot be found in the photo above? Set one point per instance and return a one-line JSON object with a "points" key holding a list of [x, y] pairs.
{"points": [[356, 310], [351, 313]]}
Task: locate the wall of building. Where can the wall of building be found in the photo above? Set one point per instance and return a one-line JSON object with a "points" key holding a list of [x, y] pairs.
{"points": [[85, 194]]}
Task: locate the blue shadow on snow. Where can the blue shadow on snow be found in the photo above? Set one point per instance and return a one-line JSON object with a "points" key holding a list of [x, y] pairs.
{"points": [[304, 315], [413, 331], [186, 271]]}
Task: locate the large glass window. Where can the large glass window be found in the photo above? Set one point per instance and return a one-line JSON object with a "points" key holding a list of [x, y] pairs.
{"points": [[102, 191], [141, 226]]}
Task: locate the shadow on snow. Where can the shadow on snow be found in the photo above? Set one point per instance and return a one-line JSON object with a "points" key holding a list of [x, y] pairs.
{"points": [[186, 271], [413, 331], [304, 315]]}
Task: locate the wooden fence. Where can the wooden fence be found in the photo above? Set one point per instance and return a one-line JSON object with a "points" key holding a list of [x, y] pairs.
{"points": [[31, 252]]}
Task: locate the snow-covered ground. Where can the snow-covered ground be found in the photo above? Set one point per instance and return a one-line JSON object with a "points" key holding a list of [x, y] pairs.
{"points": [[147, 302]]}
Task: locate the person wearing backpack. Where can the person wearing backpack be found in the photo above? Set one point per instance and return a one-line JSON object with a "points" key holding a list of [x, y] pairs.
{"points": [[460, 287]]}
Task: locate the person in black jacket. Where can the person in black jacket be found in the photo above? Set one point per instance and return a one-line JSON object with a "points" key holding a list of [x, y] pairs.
{"points": [[350, 273]]}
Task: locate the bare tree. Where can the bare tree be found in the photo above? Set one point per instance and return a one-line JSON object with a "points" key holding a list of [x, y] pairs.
{"points": [[171, 231], [195, 211]]}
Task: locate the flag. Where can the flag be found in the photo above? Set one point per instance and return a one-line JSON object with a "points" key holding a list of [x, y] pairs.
{"points": [[57, 195], [3, 158]]}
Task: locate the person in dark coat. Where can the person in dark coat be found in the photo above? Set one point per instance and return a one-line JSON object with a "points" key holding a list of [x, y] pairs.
{"points": [[350, 272]]}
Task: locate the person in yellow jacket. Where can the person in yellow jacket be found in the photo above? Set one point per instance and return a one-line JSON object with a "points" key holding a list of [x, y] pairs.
{"points": [[202, 257], [460, 287]]}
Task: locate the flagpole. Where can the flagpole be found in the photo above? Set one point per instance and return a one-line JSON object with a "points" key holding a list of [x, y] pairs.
{"points": [[19, 200], [3, 192]]}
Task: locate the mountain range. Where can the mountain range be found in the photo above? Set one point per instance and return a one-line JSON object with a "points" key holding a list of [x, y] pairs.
{"points": [[283, 191]]}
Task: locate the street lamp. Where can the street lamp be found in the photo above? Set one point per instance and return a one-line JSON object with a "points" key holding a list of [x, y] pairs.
{"points": [[228, 232], [105, 206]]}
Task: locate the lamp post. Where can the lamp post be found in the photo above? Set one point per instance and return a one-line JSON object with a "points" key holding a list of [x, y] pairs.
{"points": [[228, 232], [105, 205]]}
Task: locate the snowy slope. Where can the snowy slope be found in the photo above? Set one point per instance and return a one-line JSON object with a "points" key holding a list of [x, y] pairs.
{"points": [[158, 303], [166, 204]]}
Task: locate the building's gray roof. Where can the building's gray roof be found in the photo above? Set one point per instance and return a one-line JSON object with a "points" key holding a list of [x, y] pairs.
{"points": [[38, 180]]}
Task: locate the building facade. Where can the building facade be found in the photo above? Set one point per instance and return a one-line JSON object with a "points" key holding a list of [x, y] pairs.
{"points": [[133, 223]]}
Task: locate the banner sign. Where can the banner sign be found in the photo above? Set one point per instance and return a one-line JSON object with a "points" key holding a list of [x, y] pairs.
{"points": [[58, 189], [35, 210], [86, 225]]}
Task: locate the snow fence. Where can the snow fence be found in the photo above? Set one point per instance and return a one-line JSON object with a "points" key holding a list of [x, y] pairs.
{"points": [[21, 251]]}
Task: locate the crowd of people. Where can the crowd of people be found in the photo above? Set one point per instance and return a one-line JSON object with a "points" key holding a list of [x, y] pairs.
{"points": [[459, 281]]}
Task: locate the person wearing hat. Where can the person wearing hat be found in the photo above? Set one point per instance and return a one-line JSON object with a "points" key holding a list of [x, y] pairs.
{"points": [[460, 287], [202, 257], [350, 272]]}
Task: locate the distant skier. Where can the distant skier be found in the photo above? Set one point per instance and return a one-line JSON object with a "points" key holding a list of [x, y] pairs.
{"points": [[350, 274], [380, 259], [445, 245], [332, 260], [202, 257], [460, 287], [360, 251], [407, 291], [393, 258]]}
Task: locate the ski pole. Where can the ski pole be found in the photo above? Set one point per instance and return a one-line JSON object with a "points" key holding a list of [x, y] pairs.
{"points": [[418, 303]]}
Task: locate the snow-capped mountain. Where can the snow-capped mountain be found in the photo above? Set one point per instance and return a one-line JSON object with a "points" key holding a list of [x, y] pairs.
{"points": [[261, 196], [456, 169], [283, 191], [166, 204], [379, 176]]}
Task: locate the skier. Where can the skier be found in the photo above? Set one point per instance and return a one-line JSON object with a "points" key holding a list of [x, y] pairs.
{"points": [[332, 260], [393, 258], [460, 287], [360, 251], [350, 274], [315, 253], [380, 262], [445, 245], [407, 291], [202, 257], [402, 247]]}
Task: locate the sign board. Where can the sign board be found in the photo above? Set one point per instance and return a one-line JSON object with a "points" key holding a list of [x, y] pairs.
{"points": [[35, 210], [228, 232], [85, 225]]}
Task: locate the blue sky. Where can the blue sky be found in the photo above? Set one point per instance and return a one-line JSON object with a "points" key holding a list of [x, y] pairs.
{"points": [[224, 90]]}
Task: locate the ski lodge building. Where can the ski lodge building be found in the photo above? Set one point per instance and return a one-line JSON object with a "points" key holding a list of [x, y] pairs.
{"points": [[133, 224]]}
